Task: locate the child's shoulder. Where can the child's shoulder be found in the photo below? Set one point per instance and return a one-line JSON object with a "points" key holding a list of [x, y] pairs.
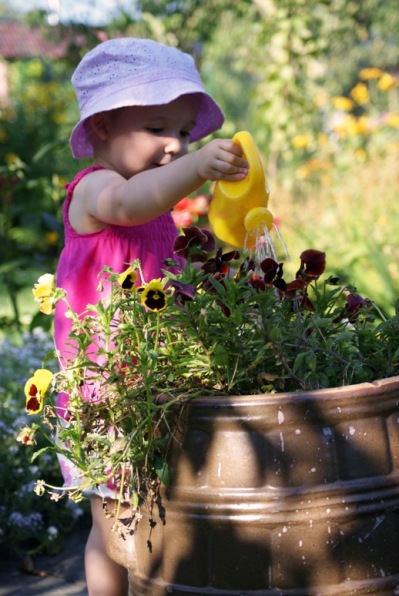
{"points": [[90, 180], [81, 198]]}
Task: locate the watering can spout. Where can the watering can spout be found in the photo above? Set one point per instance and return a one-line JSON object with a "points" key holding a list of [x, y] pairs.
{"points": [[238, 211]]}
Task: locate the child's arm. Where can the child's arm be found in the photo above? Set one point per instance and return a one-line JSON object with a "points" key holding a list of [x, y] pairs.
{"points": [[111, 199]]}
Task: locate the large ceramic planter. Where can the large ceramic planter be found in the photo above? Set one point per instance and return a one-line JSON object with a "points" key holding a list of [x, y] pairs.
{"points": [[294, 493]]}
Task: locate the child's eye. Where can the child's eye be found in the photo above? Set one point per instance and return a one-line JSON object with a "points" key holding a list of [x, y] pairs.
{"points": [[155, 130], [185, 134]]}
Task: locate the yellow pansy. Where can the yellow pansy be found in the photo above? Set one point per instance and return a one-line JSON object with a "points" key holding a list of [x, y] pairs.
{"points": [[43, 291], [153, 296], [128, 279], [35, 390]]}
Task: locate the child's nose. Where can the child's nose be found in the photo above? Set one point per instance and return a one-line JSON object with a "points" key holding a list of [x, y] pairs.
{"points": [[173, 144]]}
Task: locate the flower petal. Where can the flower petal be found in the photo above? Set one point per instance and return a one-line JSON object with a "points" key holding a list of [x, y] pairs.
{"points": [[35, 390], [193, 243], [153, 296], [128, 279], [313, 263], [44, 286]]}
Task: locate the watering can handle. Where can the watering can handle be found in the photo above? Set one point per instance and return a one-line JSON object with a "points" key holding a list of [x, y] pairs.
{"points": [[255, 181], [239, 208]]}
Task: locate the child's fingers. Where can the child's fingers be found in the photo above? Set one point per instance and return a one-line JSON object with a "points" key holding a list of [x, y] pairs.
{"points": [[230, 171], [232, 154], [224, 161]]}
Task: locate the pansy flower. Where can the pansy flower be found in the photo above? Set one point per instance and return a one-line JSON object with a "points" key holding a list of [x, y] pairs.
{"points": [[354, 306], [35, 390], [245, 268], [273, 273], [182, 292], [256, 281], [43, 291], [153, 296], [271, 269], [26, 436], [128, 279], [297, 291], [313, 264], [194, 243], [220, 262]]}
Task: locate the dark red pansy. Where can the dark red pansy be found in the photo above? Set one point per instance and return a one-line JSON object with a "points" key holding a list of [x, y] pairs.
{"points": [[313, 264], [194, 243]]}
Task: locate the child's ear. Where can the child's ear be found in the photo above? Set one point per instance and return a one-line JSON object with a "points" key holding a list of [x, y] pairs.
{"points": [[99, 125]]}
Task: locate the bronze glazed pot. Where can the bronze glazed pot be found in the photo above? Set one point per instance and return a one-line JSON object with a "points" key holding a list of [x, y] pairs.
{"points": [[294, 493]]}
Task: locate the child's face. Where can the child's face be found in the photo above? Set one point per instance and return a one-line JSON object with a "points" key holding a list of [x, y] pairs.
{"points": [[144, 138]]}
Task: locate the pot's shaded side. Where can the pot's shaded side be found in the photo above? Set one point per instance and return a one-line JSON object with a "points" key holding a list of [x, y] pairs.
{"points": [[279, 494]]}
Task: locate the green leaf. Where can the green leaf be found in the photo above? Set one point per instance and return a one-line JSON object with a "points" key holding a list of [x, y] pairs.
{"points": [[162, 470]]}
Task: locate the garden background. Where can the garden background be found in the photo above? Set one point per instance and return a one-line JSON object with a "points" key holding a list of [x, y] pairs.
{"points": [[317, 85]]}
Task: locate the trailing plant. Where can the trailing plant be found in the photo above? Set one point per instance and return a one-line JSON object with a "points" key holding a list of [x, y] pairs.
{"points": [[27, 525], [216, 324]]}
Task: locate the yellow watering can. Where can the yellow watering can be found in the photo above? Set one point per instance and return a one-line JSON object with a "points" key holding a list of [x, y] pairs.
{"points": [[238, 211]]}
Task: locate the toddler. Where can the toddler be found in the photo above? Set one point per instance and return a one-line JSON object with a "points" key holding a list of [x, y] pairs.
{"points": [[142, 103]]}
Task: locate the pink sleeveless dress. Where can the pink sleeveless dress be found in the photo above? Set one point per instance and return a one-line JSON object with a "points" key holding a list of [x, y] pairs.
{"points": [[84, 257]]}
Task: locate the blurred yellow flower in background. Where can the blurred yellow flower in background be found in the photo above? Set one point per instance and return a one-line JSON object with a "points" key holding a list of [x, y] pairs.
{"points": [[370, 73], [301, 141], [360, 155], [11, 158], [52, 237], [360, 94], [386, 82], [343, 103], [321, 98], [392, 119]]}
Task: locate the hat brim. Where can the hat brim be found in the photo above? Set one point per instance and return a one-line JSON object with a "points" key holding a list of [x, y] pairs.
{"points": [[209, 118]]}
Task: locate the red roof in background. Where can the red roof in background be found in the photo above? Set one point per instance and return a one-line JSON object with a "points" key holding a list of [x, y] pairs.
{"points": [[18, 40]]}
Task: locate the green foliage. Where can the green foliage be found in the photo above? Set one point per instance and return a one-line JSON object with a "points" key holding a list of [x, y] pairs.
{"points": [[28, 524], [354, 218], [203, 330], [34, 163], [275, 67]]}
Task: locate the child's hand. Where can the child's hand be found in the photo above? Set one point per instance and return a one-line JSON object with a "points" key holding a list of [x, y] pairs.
{"points": [[221, 159]]}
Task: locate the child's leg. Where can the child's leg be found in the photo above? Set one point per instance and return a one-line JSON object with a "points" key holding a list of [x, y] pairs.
{"points": [[104, 577]]}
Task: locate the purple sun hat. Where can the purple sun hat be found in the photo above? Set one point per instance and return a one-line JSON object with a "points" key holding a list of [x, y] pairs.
{"points": [[137, 72]]}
